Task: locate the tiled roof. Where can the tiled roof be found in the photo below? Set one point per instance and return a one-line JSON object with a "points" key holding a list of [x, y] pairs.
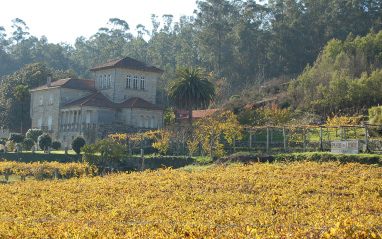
{"points": [[127, 62], [136, 102], [196, 113], [79, 84], [100, 100], [97, 99]]}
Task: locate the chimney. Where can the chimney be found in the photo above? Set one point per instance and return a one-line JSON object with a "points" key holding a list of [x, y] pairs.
{"points": [[48, 79], [149, 62]]}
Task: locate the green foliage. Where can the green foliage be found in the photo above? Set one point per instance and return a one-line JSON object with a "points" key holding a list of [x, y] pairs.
{"points": [[375, 115], [33, 134], [77, 144], [27, 144], [56, 144], [344, 77], [102, 152], [16, 137], [191, 89], [44, 141]]}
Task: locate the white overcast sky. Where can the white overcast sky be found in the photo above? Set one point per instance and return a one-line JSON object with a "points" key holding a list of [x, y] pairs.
{"points": [[64, 21]]}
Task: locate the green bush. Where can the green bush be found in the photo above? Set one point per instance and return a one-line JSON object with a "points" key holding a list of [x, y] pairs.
{"points": [[33, 134], [44, 141], [16, 137], [103, 152], [27, 144], [77, 143], [56, 144]]}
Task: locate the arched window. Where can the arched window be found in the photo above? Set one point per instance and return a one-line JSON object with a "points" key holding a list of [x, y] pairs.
{"points": [[141, 121], [128, 81], [143, 83], [135, 82], [152, 122], [147, 122], [100, 82], [104, 81], [108, 81]]}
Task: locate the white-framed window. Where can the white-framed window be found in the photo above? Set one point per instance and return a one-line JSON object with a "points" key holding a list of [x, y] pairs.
{"points": [[141, 121], [41, 100], [143, 83], [100, 82], [152, 122], [108, 81], [128, 81], [39, 122], [135, 86], [51, 99], [104, 82], [147, 122], [50, 121]]}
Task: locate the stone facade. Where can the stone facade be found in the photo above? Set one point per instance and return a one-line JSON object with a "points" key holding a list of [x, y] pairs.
{"points": [[120, 99]]}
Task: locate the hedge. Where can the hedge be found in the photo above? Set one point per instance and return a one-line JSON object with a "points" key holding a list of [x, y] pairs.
{"points": [[33, 157]]}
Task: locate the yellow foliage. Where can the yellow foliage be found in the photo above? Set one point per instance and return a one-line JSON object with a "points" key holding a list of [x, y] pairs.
{"points": [[294, 200], [161, 139], [209, 129]]}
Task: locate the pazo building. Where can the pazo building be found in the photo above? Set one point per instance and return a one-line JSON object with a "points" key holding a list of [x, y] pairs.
{"points": [[120, 99]]}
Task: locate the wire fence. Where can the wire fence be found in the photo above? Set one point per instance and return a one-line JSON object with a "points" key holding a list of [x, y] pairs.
{"points": [[278, 139]]}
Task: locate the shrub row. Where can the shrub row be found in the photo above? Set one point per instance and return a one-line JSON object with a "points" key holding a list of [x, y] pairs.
{"points": [[46, 169], [34, 157]]}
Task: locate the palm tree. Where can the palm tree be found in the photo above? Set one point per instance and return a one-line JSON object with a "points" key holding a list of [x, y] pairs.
{"points": [[22, 94], [191, 89]]}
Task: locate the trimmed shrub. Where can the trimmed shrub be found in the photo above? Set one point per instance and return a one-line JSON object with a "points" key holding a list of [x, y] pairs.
{"points": [[27, 144], [16, 137], [33, 134], [56, 144], [77, 143], [44, 141]]}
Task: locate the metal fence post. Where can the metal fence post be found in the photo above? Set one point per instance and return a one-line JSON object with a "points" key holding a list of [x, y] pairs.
{"points": [[267, 140]]}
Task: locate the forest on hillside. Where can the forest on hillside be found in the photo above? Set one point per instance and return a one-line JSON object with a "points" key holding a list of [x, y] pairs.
{"points": [[244, 46]]}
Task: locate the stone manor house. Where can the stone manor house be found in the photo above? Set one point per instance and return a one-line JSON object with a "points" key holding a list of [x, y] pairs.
{"points": [[120, 99]]}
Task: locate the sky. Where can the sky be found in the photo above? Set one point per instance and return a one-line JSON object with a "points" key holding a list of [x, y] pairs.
{"points": [[64, 21]]}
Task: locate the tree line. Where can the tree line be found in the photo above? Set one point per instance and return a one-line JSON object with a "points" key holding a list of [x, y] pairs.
{"points": [[242, 43]]}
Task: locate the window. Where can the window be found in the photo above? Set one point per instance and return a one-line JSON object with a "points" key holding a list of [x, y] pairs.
{"points": [[50, 122], [128, 81], [141, 119], [147, 122], [100, 82], [104, 82], [108, 81], [152, 122], [143, 83], [41, 100], [51, 99], [135, 82], [39, 122]]}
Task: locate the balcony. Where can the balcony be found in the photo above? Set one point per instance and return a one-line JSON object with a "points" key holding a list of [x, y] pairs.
{"points": [[77, 127]]}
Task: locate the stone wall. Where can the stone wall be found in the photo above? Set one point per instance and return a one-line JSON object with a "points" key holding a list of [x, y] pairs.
{"points": [[118, 91]]}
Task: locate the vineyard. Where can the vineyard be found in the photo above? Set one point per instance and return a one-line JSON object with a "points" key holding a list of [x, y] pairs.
{"points": [[288, 200]]}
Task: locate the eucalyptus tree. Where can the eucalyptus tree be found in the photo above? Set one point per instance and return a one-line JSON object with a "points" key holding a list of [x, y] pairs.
{"points": [[22, 94], [191, 89], [214, 21]]}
